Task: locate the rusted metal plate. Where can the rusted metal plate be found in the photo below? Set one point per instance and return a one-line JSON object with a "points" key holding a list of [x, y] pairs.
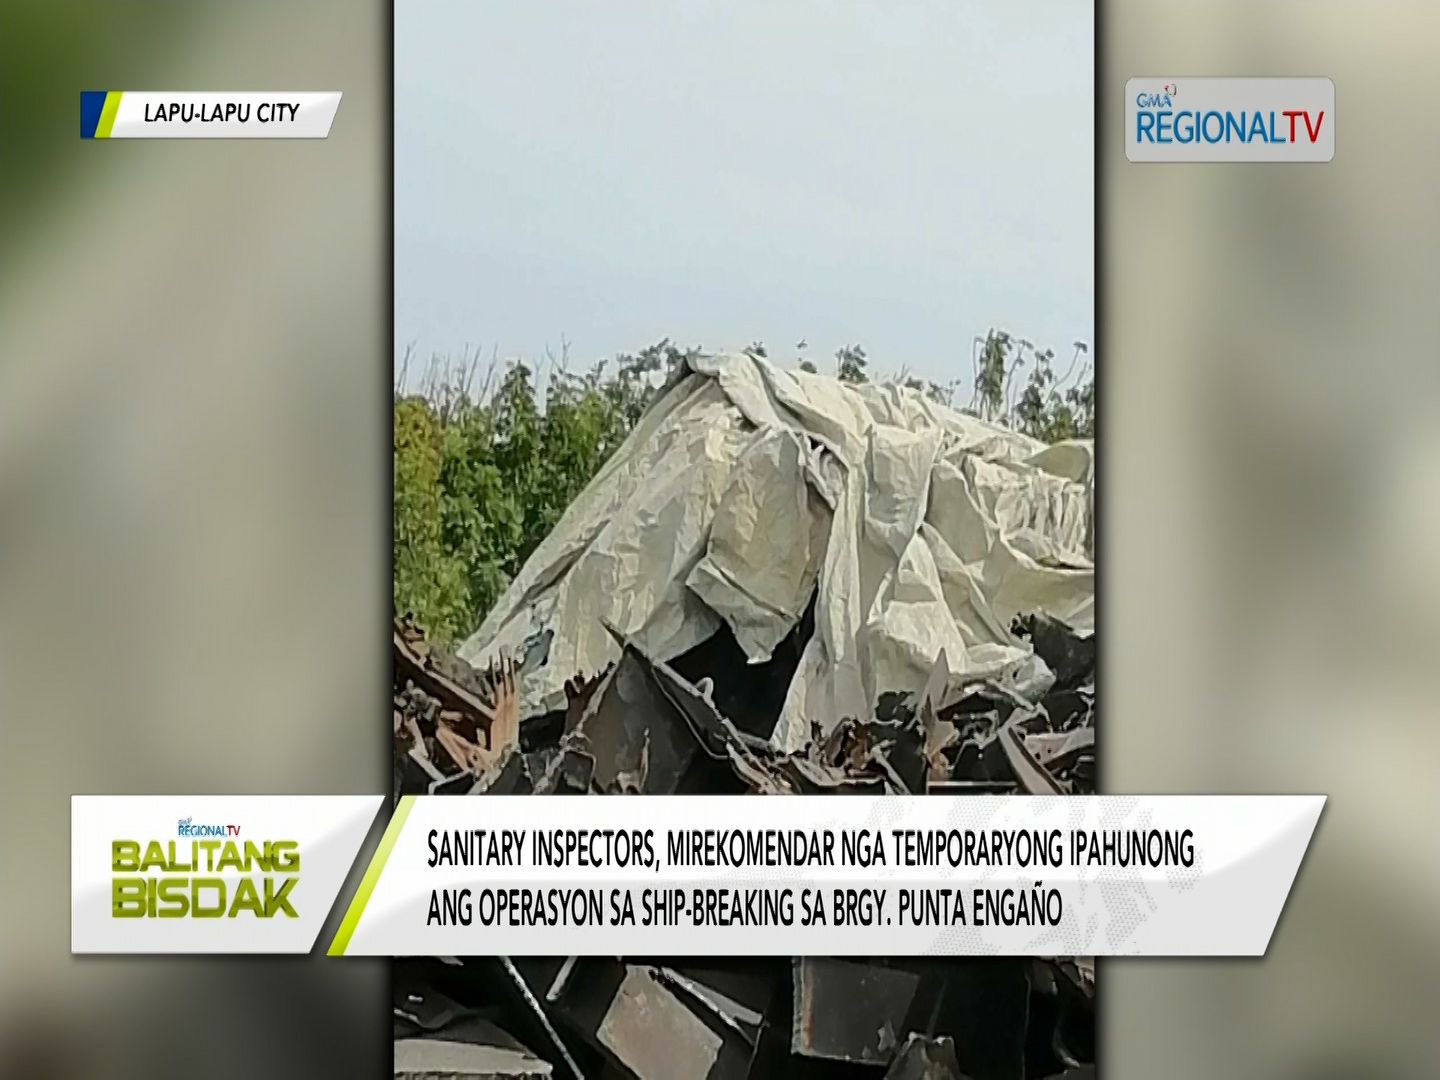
{"points": [[654, 1024], [412, 665], [850, 1011], [633, 727], [654, 1035]]}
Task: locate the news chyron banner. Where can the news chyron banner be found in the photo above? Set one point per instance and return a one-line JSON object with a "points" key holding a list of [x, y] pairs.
{"points": [[706, 875], [136, 114], [690, 875]]}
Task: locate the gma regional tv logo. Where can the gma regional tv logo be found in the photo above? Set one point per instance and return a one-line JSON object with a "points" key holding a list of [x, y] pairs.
{"points": [[1276, 120], [1163, 100], [187, 827], [215, 873]]}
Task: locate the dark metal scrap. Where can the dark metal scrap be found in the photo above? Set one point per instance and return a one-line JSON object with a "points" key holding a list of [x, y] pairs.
{"points": [[644, 726]]}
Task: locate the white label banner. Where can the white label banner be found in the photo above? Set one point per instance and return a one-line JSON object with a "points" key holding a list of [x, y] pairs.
{"points": [[1230, 120], [209, 873], [698, 875], [212, 115]]}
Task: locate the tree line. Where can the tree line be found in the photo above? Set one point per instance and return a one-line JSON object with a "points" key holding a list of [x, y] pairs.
{"points": [[485, 461]]}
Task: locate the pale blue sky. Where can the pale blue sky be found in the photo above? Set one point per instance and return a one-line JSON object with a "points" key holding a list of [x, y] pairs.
{"points": [[899, 174]]}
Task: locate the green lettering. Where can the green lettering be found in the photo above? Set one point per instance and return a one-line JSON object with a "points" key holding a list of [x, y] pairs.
{"points": [[276, 901], [127, 896], [154, 857], [172, 892], [245, 899], [254, 856], [229, 856], [175, 864], [196, 884], [124, 856], [285, 854]]}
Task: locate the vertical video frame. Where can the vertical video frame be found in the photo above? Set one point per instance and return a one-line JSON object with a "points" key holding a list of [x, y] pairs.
{"points": [[744, 419]]}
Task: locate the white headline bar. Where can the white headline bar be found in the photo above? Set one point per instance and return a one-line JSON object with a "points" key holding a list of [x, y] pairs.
{"points": [[842, 876], [211, 115]]}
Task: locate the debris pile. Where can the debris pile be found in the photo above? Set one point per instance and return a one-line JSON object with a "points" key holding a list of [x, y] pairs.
{"points": [[643, 728], [453, 725], [779, 585], [676, 1019]]}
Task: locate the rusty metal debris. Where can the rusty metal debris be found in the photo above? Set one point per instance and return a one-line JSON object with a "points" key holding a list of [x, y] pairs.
{"points": [[642, 727], [845, 590], [852, 1011], [454, 727], [603, 1018], [701, 723]]}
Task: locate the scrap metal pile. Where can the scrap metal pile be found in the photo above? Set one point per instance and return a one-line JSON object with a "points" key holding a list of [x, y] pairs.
{"points": [[676, 1019], [778, 585], [643, 728]]}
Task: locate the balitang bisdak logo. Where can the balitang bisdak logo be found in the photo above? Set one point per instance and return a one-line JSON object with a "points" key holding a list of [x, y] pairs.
{"points": [[1230, 120], [195, 877], [209, 873]]}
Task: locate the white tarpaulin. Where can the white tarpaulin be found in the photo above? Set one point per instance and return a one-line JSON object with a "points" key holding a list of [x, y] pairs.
{"points": [[745, 489]]}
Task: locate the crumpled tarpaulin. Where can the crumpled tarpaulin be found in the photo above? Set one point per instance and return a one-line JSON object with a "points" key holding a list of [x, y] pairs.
{"points": [[745, 490]]}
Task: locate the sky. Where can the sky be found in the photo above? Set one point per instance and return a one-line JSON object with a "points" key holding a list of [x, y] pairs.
{"points": [[903, 175]]}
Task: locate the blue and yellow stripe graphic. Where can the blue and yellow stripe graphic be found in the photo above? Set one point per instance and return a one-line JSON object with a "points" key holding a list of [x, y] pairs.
{"points": [[97, 112]]}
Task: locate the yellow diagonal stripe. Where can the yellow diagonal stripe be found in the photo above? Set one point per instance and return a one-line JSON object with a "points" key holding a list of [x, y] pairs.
{"points": [[107, 114], [372, 872]]}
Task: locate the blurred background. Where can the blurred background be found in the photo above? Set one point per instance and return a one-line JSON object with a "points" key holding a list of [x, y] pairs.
{"points": [[195, 363], [194, 518], [1270, 449]]}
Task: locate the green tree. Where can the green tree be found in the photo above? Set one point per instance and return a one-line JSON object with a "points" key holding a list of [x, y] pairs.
{"points": [[850, 363], [429, 580], [989, 395]]}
